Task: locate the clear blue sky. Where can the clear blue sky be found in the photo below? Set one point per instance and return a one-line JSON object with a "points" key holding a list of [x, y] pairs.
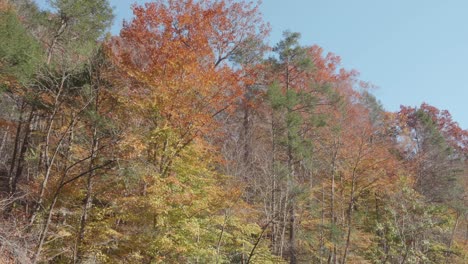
{"points": [[414, 50]]}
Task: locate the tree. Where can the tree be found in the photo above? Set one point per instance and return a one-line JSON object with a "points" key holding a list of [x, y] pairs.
{"points": [[178, 53], [20, 52], [436, 146], [291, 66]]}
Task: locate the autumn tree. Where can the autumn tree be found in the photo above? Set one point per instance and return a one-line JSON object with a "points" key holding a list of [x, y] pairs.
{"points": [[178, 82], [178, 51], [436, 146]]}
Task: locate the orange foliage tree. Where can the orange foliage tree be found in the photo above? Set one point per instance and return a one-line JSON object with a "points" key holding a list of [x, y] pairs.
{"points": [[177, 54]]}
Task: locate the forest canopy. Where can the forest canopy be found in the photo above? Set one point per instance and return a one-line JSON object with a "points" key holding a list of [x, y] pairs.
{"points": [[187, 138]]}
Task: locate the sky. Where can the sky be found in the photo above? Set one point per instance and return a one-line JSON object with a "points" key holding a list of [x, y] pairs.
{"points": [[413, 51]]}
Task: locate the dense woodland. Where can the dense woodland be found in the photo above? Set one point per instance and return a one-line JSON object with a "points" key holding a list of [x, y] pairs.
{"points": [[188, 139]]}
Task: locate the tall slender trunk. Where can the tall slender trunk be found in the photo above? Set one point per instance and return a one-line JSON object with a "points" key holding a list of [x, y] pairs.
{"points": [[291, 172], [257, 242], [45, 228], [352, 201], [15, 149], [48, 160], [49, 165], [62, 183], [21, 157], [65, 169], [292, 204], [220, 238], [292, 237], [5, 136], [283, 223], [452, 237], [88, 200], [466, 229], [60, 31], [274, 226], [322, 223], [247, 148], [350, 218], [332, 256]]}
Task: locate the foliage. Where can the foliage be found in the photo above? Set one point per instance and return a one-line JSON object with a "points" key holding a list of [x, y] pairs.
{"points": [[179, 141], [20, 53]]}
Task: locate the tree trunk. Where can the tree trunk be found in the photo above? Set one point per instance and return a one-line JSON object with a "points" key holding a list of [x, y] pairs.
{"points": [[88, 200], [49, 164], [322, 223], [452, 237], [15, 150], [24, 148], [350, 217], [292, 217], [45, 228], [292, 237], [332, 256], [247, 148], [59, 32]]}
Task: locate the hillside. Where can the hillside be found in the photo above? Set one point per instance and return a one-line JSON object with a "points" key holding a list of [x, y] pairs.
{"points": [[188, 139]]}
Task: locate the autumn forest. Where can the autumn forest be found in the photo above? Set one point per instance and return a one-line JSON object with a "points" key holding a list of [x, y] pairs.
{"points": [[188, 138]]}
